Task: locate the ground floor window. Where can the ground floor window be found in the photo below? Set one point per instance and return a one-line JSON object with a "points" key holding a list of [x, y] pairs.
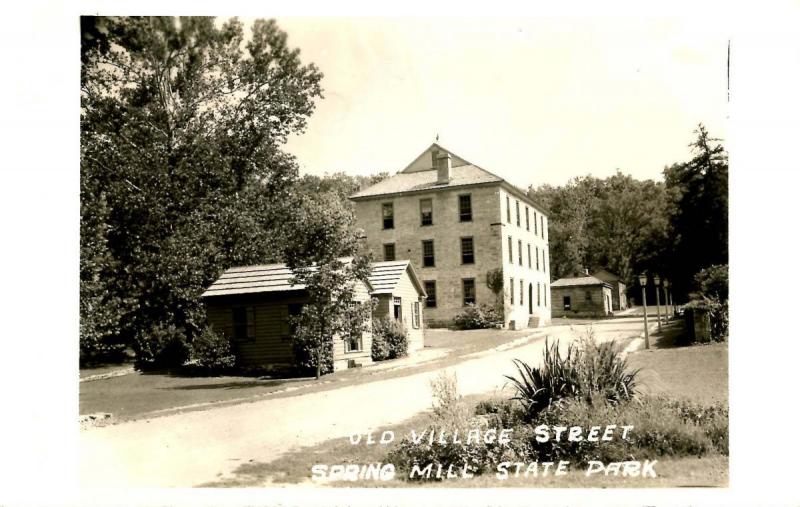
{"points": [[521, 292], [468, 291], [397, 304], [430, 290], [244, 323], [538, 294]]}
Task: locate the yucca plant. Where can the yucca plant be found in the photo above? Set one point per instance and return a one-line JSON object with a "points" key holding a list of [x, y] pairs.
{"points": [[587, 370]]}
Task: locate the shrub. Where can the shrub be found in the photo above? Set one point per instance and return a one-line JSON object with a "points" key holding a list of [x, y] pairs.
{"points": [[450, 413], [478, 317], [211, 352], [712, 282], [588, 370], [389, 339], [718, 317], [306, 351], [164, 346]]}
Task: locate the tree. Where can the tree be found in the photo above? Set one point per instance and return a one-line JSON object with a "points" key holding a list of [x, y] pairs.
{"points": [[699, 216], [323, 254], [182, 168]]}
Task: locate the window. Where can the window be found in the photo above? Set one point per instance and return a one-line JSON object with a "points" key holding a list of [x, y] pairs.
{"points": [[244, 323], [415, 315], [544, 264], [541, 223], [353, 341], [518, 222], [467, 251], [426, 211], [508, 209], [521, 293], [388, 252], [538, 294], [397, 304], [519, 251], [427, 254], [510, 250], [465, 208], [545, 294], [468, 285], [511, 289], [537, 258], [527, 219], [588, 295], [388, 215], [535, 229], [530, 265], [567, 304], [430, 290]]}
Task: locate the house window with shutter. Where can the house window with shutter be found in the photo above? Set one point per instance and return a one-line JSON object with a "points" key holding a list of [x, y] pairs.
{"points": [[415, 315]]}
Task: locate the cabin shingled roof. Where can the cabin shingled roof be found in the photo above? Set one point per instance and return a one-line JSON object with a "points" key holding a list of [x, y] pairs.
{"points": [[579, 281], [383, 278]]}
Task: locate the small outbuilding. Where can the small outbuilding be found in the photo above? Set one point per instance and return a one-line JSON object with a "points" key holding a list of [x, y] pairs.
{"points": [[581, 296], [252, 304], [619, 300], [400, 296]]}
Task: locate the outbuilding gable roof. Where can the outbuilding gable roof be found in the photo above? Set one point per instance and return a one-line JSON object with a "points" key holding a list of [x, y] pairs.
{"points": [[580, 281], [384, 276], [606, 275]]}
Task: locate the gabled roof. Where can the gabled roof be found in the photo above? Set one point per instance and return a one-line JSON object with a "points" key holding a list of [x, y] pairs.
{"points": [[384, 276], [383, 279], [426, 180], [606, 275], [579, 281], [420, 176]]}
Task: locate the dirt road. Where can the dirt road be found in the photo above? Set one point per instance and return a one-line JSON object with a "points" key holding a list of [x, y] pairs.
{"points": [[193, 448]]}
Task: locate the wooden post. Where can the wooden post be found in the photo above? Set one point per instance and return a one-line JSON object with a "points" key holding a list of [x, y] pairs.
{"points": [[646, 331]]}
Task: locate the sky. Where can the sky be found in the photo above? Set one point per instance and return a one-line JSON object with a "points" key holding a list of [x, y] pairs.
{"points": [[534, 100]]}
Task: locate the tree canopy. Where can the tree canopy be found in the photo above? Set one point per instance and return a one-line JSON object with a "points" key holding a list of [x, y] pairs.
{"points": [[183, 172]]}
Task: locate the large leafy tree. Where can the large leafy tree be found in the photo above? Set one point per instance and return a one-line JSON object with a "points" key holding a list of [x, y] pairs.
{"points": [[699, 215], [182, 170]]}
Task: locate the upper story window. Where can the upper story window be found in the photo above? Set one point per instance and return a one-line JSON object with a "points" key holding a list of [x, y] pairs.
{"points": [[530, 264], [510, 250], [544, 263], [508, 209], [537, 258], [519, 252], [426, 211], [430, 290], [467, 251], [527, 219], [468, 286], [522, 292], [518, 217], [541, 223], [545, 294], [428, 260], [388, 215], [465, 208], [511, 289], [388, 252], [535, 227]]}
